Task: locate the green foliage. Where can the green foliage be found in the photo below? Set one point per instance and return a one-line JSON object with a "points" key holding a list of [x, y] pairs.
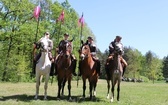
{"points": [[17, 35], [139, 66], [165, 67], [18, 30]]}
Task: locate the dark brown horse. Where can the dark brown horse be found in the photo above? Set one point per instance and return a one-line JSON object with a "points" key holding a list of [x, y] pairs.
{"points": [[87, 68], [64, 69], [115, 72]]}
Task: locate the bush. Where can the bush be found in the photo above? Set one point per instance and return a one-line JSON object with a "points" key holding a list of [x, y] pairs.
{"points": [[145, 79]]}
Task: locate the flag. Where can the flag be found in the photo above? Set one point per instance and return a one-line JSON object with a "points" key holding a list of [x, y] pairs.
{"points": [[81, 21], [36, 13], [61, 17]]}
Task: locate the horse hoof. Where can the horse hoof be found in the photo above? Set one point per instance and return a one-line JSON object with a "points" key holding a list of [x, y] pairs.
{"points": [[111, 100], [108, 97], [58, 98], [70, 99], [45, 99], [35, 98], [83, 98]]}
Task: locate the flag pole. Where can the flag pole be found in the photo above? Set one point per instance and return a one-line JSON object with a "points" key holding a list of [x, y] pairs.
{"points": [[37, 28], [81, 28], [61, 19], [36, 14]]}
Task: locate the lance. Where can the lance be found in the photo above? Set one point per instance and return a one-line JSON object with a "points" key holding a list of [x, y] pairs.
{"points": [[36, 15], [61, 18], [81, 21]]}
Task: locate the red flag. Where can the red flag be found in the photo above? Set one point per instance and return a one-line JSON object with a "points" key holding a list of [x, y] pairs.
{"points": [[36, 13], [81, 21], [61, 17]]}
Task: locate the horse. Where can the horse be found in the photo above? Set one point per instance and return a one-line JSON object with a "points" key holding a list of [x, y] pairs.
{"points": [[64, 67], [88, 71], [43, 67], [115, 72]]}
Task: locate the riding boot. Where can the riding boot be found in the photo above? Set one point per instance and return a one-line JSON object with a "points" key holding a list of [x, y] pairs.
{"points": [[80, 73], [37, 57], [107, 71], [98, 67], [124, 69], [52, 69], [74, 67], [55, 72], [34, 67]]}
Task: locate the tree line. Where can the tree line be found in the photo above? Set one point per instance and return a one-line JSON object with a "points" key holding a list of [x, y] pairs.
{"points": [[17, 34]]}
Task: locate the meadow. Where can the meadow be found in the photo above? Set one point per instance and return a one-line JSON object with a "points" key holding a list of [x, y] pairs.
{"points": [[130, 94]]}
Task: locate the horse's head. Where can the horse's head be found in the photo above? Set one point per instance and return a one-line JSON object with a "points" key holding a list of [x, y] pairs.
{"points": [[67, 47], [118, 48], [84, 52], [44, 44]]}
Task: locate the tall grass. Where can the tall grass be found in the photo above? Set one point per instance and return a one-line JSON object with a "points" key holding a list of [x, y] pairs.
{"points": [[130, 94]]}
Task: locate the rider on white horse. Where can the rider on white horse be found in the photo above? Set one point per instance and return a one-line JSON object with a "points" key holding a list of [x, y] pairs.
{"points": [[43, 66], [37, 46]]}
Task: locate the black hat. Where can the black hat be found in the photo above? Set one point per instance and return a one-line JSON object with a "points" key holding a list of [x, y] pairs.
{"points": [[118, 37], [47, 33], [66, 34], [89, 37]]}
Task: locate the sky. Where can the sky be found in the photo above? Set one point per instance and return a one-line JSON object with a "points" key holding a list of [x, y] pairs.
{"points": [[143, 24]]}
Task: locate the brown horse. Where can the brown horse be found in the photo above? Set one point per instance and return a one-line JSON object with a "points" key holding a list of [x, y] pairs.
{"points": [[64, 69], [115, 72], [87, 68]]}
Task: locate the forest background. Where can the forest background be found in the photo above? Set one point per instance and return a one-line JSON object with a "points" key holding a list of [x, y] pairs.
{"points": [[18, 30]]}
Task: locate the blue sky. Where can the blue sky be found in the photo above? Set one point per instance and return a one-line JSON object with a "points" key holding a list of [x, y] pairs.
{"points": [[143, 24]]}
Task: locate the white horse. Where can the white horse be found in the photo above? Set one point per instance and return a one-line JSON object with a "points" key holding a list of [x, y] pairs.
{"points": [[43, 67]]}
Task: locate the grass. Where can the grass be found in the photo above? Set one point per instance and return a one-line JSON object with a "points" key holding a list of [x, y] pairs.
{"points": [[131, 94]]}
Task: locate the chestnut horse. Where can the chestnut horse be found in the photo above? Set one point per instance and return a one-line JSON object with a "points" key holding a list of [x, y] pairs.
{"points": [[43, 67], [115, 72], [64, 69], [87, 68]]}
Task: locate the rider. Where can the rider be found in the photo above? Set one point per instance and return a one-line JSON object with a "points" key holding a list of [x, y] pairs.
{"points": [[111, 54], [36, 45], [60, 48], [93, 50]]}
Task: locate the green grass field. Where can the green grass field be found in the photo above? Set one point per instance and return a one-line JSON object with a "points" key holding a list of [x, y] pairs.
{"points": [[131, 94]]}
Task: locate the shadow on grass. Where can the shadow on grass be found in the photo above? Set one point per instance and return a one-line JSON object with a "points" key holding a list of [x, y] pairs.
{"points": [[24, 97], [28, 98]]}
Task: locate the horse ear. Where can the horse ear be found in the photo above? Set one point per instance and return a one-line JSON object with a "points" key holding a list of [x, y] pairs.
{"points": [[79, 51], [82, 42]]}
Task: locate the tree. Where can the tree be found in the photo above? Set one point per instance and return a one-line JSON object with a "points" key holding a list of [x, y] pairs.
{"points": [[153, 66], [165, 67], [18, 29]]}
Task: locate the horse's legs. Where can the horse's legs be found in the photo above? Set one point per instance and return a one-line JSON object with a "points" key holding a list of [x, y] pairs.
{"points": [[63, 85], [118, 90], [94, 87], [108, 88], [84, 87], [37, 86], [69, 88], [90, 88], [112, 91], [46, 86], [59, 86]]}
